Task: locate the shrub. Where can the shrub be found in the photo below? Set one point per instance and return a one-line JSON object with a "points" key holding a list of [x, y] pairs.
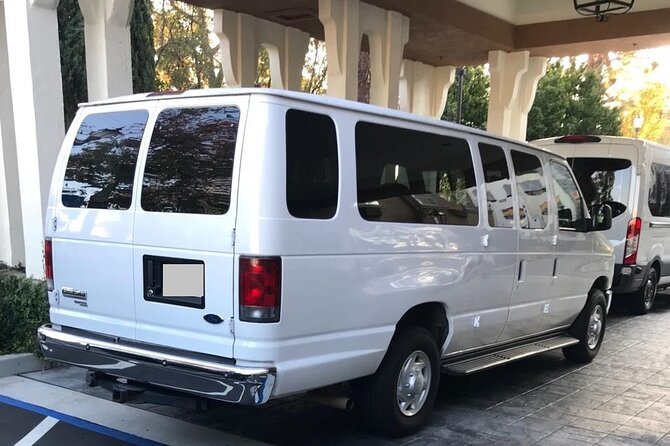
{"points": [[23, 307]]}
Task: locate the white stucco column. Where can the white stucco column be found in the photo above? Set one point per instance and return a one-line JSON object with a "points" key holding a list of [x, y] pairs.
{"points": [[37, 103], [388, 32], [108, 58], [537, 67], [286, 49], [340, 19], [514, 78], [424, 88], [11, 230], [239, 49], [241, 37]]}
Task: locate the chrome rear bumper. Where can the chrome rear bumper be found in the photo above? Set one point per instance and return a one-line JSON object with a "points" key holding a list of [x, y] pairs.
{"points": [[154, 365]]}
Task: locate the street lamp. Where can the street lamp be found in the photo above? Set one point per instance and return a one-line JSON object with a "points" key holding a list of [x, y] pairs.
{"points": [[637, 124]]}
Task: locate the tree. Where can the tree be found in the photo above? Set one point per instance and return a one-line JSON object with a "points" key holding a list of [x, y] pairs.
{"points": [[142, 47], [73, 52], [316, 68], [571, 100], [72, 57], [185, 57], [475, 98]]}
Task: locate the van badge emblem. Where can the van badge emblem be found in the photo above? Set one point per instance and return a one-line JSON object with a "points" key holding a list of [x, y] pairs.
{"points": [[213, 318]]}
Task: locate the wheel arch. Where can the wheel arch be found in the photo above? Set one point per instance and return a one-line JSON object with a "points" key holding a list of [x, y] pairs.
{"points": [[429, 315]]}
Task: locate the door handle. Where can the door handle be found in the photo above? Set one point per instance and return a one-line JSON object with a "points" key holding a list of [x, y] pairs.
{"points": [[555, 270], [522, 271]]}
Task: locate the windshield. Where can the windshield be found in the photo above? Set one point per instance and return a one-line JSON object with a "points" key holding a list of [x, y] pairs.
{"points": [[604, 181]]}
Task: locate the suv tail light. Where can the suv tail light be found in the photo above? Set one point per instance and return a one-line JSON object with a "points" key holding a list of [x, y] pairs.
{"points": [[632, 241], [260, 289], [48, 264]]}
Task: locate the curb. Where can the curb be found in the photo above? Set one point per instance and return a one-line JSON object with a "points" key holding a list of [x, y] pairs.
{"points": [[18, 363]]}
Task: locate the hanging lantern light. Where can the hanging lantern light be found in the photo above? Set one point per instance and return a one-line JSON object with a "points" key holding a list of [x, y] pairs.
{"points": [[601, 9]]}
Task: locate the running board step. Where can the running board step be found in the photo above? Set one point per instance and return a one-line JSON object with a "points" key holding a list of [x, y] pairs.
{"points": [[479, 363]]}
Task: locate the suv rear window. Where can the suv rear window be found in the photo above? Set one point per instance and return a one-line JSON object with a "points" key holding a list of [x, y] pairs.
{"points": [[101, 168], [604, 181], [189, 165]]}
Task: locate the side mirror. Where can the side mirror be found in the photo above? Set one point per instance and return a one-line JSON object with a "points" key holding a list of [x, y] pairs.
{"points": [[601, 217], [564, 217]]}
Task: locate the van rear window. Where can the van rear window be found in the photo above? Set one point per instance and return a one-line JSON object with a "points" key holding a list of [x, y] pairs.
{"points": [[101, 168], [604, 181], [189, 164]]}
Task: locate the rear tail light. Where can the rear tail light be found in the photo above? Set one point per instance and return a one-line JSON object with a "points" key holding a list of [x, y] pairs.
{"points": [[632, 241], [48, 264], [260, 289]]}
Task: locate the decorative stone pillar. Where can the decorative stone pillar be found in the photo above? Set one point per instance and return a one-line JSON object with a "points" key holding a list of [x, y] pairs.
{"points": [[239, 50], [344, 23], [340, 19], [514, 78], [537, 67], [37, 103], [424, 88], [11, 229], [388, 32], [108, 55], [241, 37]]}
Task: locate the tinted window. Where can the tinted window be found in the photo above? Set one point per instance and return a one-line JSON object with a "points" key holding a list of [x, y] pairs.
{"points": [[190, 161], [659, 190], [568, 199], [311, 165], [408, 176], [532, 190], [604, 180], [498, 186], [101, 168]]}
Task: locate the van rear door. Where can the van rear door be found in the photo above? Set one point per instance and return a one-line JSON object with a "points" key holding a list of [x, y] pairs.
{"points": [[184, 225], [90, 220]]}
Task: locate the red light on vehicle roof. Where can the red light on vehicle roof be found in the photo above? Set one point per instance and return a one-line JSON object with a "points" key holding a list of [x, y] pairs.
{"points": [[576, 139]]}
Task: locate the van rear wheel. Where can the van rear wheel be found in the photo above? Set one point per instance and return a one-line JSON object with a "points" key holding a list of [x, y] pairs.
{"points": [[398, 398], [644, 299], [589, 328]]}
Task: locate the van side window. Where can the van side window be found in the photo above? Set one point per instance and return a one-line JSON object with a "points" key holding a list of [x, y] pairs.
{"points": [[312, 167], [659, 190], [408, 176], [101, 169], [532, 189], [498, 186], [189, 165], [568, 198]]}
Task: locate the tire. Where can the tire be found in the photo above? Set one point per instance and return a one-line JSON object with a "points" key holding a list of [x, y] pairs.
{"points": [[377, 403], [643, 300], [589, 328]]}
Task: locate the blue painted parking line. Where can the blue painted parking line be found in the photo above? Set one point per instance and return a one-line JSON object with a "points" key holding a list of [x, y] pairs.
{"points": [[79, 423]]}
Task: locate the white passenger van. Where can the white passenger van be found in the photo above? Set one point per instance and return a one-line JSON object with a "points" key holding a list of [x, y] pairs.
{"points": [[633, 177], [244, 245]]}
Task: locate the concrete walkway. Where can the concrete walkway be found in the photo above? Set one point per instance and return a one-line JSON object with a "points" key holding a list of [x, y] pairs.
{"points": [[32, 412]]}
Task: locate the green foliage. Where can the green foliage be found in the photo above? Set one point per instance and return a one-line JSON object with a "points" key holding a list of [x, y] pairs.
{"points": [[184, 57], [72, 57], [571, 101], [73, 53], [23, 307], [142, 47], [475, 98]]}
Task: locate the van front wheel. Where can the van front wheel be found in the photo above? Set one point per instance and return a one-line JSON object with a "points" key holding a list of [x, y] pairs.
{"points": [[589, 328], [398, 399]]}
